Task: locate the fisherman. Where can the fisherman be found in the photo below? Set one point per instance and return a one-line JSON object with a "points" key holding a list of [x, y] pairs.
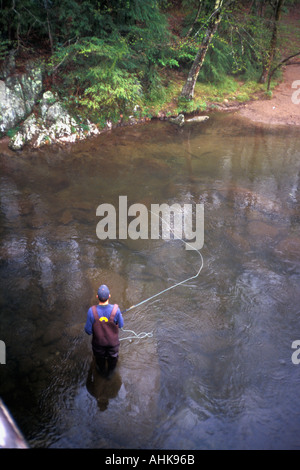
{"points": [[103, 322]]}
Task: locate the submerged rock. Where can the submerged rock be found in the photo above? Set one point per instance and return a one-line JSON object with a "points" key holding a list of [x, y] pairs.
{"points": [[244, 198], [289, 249], [262, 230], [74, 331], [66, 217], [237, 240]]}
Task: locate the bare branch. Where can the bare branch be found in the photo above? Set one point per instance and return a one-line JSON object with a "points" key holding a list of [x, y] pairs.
{"points": [[279, 65]]}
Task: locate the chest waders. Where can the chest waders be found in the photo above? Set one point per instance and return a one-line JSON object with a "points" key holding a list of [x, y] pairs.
{"points": [[105, 331]]}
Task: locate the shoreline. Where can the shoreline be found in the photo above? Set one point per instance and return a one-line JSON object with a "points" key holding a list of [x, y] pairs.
{"points": [[279, 110], [282, 108]]}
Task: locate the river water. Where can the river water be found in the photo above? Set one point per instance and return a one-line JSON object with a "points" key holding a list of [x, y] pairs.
{"points": [[216, 372]]}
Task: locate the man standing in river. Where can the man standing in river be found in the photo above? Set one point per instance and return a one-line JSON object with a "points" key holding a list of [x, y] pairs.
{"points": [[103, 322]]}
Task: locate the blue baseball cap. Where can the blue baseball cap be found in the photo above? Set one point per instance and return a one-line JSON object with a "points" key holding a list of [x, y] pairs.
{"points": [[103, 293]]}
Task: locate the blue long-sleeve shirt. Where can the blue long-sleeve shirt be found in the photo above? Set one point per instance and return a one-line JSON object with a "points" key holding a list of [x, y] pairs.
{"points": [[103, 311]]}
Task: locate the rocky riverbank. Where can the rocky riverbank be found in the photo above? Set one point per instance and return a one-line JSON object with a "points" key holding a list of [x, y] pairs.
{"points": [[31, 116], [19, 92], [50, 123]]}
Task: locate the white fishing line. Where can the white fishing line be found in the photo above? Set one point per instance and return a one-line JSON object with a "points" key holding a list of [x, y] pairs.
{"points": [[143, 334], [135, 335]]}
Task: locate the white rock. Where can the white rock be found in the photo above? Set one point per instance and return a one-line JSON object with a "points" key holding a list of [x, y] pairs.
{"points": [[198, 119], [17, 142]]}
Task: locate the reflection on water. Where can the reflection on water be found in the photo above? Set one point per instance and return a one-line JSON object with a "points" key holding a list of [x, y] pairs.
{"points": [[101, 388], [217, 372]]}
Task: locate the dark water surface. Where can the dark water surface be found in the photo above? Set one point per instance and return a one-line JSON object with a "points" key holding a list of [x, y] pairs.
{"points": [[217, 372]]}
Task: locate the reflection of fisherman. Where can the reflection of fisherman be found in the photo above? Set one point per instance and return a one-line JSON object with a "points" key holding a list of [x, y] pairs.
{"points": [[103, 322], [102, 390]]}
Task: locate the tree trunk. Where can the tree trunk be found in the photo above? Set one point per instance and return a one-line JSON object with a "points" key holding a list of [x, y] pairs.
{"points": [[273, 43], [189, 87], [196, 19], [46, 6]]}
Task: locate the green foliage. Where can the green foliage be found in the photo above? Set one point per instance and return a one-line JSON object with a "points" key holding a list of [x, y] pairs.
{"points": [[64, 21], [108, 74], [113, 89], [106, 56], [269, 94], [12, 132], [5, 47], [237, 49], [218, 62], [95, 74], [184, 52], [189, 106]]}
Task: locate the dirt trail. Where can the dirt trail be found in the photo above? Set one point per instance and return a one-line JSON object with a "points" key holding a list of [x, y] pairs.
{"points": [[284, 106]]}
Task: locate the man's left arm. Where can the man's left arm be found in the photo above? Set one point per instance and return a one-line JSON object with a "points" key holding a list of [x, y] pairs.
{"points": [[120, 320]]}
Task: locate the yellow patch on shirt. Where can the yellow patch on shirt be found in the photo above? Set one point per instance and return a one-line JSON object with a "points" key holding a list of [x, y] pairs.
{"points": [[103, 319]]}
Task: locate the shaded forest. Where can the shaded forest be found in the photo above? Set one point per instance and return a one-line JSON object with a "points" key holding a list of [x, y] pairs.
{"points": [[105, 57]]}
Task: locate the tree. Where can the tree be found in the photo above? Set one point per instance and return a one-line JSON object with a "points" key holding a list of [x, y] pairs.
{"points": [[272, 48], [215, 18], [196, 18]]}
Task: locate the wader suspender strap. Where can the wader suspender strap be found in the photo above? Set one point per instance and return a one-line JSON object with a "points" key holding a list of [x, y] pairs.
{"points": [[112, 315], [113, 312]]}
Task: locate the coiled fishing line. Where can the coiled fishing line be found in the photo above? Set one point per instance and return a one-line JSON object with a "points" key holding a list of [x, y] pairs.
{"points": [[135, 335], [149, 335]]}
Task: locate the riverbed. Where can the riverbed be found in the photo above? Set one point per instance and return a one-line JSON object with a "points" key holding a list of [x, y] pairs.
{"points": [[212, 368]]}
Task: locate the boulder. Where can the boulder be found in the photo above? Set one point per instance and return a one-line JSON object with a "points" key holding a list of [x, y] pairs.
{"points": [[17, 142], [55, 124], [30, 127], [42, 139], [47, 100], [18, 94], [56, 117], [8, 66], [178, 120], [31, 130]]}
